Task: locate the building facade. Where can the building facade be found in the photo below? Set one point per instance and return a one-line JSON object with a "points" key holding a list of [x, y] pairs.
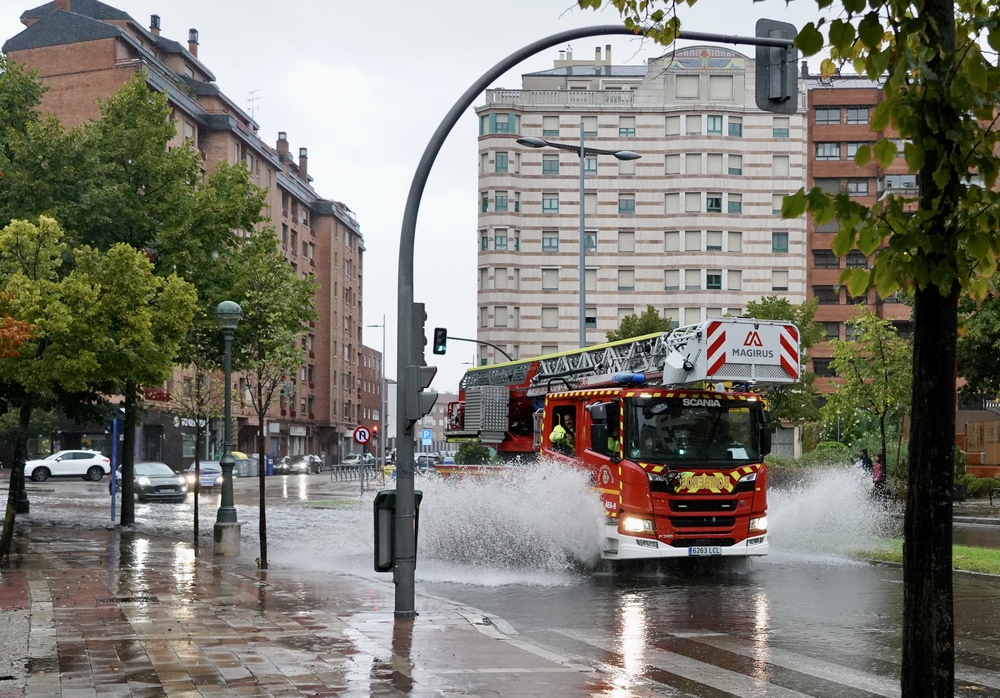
{"points": [[84, 51], [692, 228]]}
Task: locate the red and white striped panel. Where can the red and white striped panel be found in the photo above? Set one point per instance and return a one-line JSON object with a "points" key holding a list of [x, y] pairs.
{"points": [[715, 338]]}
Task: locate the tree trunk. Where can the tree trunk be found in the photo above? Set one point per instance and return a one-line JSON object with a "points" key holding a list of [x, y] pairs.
{"points": [[128, 453], [261, 474], [16, 487]]}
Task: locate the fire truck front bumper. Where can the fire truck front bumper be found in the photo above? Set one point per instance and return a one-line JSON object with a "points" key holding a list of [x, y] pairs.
{"points": [[618, 546]]}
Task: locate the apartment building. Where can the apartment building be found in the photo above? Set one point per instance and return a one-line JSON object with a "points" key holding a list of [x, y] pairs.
{"points": [[839, 114], [692, 228], [85, 50]]}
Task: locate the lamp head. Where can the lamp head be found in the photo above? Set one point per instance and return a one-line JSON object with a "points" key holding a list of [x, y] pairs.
{"points": [[229, 314], [532, 142], [627, 155]]}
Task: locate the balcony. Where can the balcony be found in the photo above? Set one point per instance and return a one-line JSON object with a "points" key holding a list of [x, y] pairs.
{"points": [[559, 98]]}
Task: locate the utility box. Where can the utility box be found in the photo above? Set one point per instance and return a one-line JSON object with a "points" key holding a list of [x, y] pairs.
{"points": [[385, 528]]}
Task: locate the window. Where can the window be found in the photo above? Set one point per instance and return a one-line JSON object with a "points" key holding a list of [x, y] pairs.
{"points": [[779, 280], [517, 202], [735, 164], [671, 279], [624, 313], [517, 244], [779, 165], [550, 202], [590, 318], [500, 202], [589, 126], [823, 368], [625, 167], [485, 201], [692, 316], [672, 203], [720, 87], [626, 241], [671, 241], [483, 276], [672, 314], [502, 123], [549, 349], [590, 240], [673, 125], [692, 241], [713, 125], [550, 241], [550, 125], [713, 203], [500, 239], [828, 151], [626, 204], [500, 316], [501, 162], [550, 318], [736, 126], [550, 164], [779, 127], [856, 260], [626, 279], [857, 187], [484, 242], [626, 127], [483, 316], [714, 163], [825, 259], [857, 115], [898, 181], [590, 204], [734, 280], [735, 242], [713, 279], [590, 165], [776, 202], [832, 330], [826, 295], [687, 87], [779, 242], [692, 124], [735, 203], [827, 115], [673, 164], [852, 149], [590, 279], [692, 279], [692, 163], [713, 241]]}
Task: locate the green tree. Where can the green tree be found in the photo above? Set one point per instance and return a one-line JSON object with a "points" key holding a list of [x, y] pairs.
{"points": [[472, 454], [979, 345], [875, 373], [939, 95], [795, 403], [634, 325], [270, 339]]}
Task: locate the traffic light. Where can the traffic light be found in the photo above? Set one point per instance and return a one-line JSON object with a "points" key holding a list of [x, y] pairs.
{"points": [[420, 401], [418, 338], [375, 429], [440, 340], [777, 81]]}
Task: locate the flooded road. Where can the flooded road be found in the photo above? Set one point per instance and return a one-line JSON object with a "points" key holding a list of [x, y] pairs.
{"points": [[806, 620]]}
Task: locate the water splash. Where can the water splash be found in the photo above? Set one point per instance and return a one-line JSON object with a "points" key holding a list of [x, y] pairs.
{"points": [[829, 513]]}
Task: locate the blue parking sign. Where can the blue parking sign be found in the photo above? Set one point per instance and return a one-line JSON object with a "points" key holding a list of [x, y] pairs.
{"points": [[426, 437]]}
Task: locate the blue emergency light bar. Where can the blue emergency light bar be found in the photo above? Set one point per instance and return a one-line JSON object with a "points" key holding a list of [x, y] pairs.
{"points": [[629, 378]]}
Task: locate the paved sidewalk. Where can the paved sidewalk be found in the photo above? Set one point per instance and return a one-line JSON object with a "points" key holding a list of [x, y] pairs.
{"points": [[119, 613]]}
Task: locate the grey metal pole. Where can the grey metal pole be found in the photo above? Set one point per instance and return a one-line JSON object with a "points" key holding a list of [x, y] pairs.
{"points": [[384, 401], [227, 510], [408, 351], [583, 249]]}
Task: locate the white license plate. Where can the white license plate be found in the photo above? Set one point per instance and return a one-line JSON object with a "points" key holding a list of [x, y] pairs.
{"points": [[704, 550]]}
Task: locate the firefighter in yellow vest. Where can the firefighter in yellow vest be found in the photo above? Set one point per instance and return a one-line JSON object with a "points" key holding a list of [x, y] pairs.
{"points": [[562, 435]]}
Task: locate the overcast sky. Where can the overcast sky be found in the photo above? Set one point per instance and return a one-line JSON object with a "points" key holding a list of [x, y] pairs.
{"points": [[363, 86]]}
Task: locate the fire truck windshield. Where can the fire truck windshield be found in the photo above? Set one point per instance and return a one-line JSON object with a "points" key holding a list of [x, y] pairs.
{"points": [[691, 430]]}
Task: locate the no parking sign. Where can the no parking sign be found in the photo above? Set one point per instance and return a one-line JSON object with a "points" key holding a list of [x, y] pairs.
{"points": [[362, 435]]}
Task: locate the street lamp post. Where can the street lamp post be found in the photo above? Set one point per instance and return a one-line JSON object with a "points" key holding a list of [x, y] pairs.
{"points": [[382, 404], [582, 151], [227, 528]]}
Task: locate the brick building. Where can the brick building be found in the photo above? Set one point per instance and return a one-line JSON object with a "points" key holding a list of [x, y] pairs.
{"points": [[85, 50]]}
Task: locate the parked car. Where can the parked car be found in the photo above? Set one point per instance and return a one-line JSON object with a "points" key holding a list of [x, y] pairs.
{"points": [[210, 471], [358, 459], [154, 482], [90, 465]]}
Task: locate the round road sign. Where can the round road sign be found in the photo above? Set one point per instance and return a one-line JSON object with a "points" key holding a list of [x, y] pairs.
{"points": [[362, 435]]}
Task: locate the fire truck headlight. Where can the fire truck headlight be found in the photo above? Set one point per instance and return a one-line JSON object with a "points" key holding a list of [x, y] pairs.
{"points": [[759, 524], [634, 524], [749, 477]]}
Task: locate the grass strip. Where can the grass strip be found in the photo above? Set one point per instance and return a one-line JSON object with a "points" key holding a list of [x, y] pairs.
{"points": [[964, 557], [334, 504]]}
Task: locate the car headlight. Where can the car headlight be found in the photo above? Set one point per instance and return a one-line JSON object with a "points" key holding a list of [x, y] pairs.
{"points": [[190, 478], [143, 482], [218, 480], [635, 524], [758, 524]]}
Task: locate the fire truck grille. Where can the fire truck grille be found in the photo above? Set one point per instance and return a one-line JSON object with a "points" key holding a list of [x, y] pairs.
{"points": [[688, 542], [701, 505], [682, 522]]}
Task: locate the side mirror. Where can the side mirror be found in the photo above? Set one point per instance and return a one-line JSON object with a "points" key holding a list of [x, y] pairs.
{"points": [[599, 437], [765, 433], [598, 412]]}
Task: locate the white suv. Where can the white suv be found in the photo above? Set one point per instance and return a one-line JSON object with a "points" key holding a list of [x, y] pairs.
{"points": [[90, 465]]}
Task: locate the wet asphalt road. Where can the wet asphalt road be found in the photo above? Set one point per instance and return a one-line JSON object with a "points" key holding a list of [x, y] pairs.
{"points": [[806, 620]]}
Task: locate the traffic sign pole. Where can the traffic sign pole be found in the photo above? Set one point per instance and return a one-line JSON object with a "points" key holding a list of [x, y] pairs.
{"points": [[362, 435]]}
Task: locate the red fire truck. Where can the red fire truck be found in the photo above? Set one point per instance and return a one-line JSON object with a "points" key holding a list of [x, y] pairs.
{"points": [[671, 427]]}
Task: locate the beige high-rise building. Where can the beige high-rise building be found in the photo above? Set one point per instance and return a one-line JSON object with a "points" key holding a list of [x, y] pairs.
{"points": [[692, 228]]}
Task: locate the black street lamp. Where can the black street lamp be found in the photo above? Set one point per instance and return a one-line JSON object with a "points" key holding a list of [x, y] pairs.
{"points": [[227, 529]]}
